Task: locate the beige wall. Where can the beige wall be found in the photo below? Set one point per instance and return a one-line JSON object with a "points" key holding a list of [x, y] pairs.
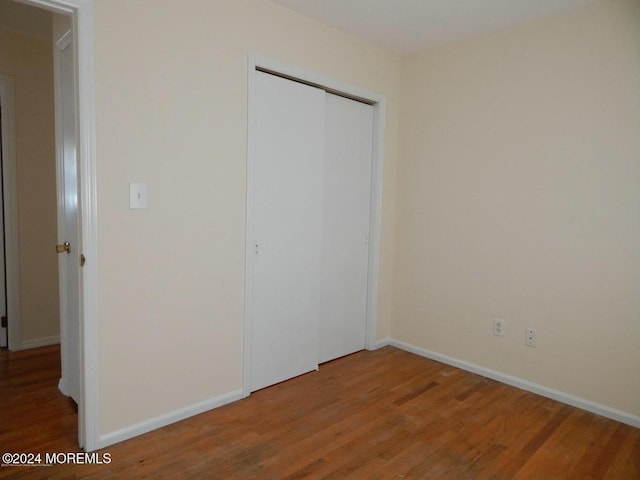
{"points": [[25, 19], [518, 199], [171, 91], [517, 178], [28, 58]]}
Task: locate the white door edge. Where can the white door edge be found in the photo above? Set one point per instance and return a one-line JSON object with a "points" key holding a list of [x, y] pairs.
{"points": [[378, 102], [62, 44]]}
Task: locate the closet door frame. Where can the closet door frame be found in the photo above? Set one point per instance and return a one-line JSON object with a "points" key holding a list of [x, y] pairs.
{"points": [[377, 101]]}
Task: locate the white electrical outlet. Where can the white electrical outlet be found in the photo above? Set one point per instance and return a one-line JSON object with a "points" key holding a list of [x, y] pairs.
{"points": [[531, 337], [498, 327]]}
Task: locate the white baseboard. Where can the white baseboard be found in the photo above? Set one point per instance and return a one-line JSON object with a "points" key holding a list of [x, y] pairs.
{"points": [[385, 342], [563, 397], [168, 418], [39, 342], [62, 387]]}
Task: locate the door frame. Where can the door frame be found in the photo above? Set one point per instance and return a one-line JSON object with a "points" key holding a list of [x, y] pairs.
{"points": [[378, 102], [82, 21], [10, 205]]}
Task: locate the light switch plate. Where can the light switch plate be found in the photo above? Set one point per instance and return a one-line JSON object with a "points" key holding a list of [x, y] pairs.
{"points": [[138, 197]]}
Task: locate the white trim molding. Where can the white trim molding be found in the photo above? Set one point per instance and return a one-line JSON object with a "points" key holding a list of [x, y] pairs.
{"points": [[385, 342], [378, 102], [563, 397], [168, 418]]}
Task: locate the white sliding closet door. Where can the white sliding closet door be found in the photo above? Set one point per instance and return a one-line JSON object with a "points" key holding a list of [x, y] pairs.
{"points": [[347, 208], [287, 229]]}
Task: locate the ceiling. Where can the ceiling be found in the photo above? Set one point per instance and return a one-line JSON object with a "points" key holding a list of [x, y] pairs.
{"points": [[400, 26], [411, 26]]}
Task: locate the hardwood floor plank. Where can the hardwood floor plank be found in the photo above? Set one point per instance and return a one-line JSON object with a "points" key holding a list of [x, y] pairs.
{"points": [[385, 414], [608, 453], [410, 396]]}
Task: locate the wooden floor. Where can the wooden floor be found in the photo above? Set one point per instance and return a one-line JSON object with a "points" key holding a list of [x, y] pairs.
{"points": [[386, 414]]}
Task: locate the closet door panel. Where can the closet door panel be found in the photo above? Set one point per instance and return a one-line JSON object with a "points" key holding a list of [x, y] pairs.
{"points": [[346, 212], [287, 229]]}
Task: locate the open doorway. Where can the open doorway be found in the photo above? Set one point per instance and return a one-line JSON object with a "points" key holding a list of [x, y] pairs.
{"points": [[81, 13], [35, 302], [29, 176]]}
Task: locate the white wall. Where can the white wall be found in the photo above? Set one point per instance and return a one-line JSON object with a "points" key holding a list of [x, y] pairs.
{"points": [[518, 199], [171, 111]]}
